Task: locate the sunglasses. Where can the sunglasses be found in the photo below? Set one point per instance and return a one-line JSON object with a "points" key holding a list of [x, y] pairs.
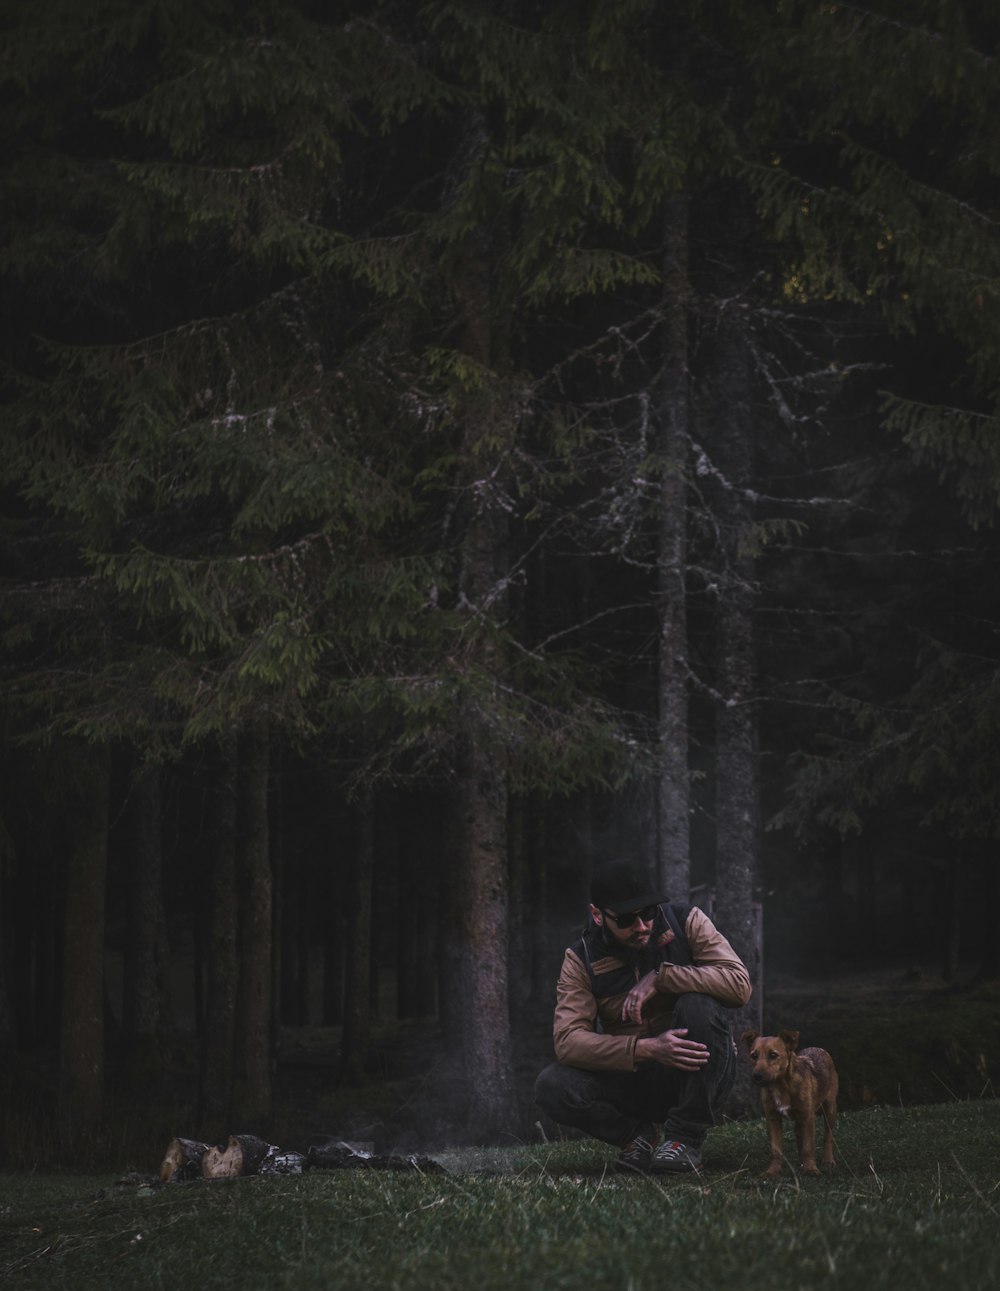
{"points": [[647, 914]]}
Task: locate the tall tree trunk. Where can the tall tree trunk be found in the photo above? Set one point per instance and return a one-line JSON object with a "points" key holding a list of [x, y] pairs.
{"points": [[385, 893], [278, 853], [410, 881], [36, 966], [417, 865], [252, 1083], [673, 783], [450, 984], [146, 1007], [952, 910], [8, 1039], [730, 433], [291, 918], [81, 1048], [480, 880], [519, 878], [333, 954], [306, 885], [335, 863], [223, 963], [356, 1035], [541, 948], [482, 895], [989, 963], [488, 422], [8, 886]]}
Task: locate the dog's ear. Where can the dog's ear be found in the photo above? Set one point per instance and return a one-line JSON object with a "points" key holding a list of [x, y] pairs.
{"points": [[791, 1039], [748, 1038]]}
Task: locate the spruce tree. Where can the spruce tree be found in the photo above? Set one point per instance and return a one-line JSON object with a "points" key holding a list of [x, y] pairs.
{"points": [[262, 460], [894, 171]]}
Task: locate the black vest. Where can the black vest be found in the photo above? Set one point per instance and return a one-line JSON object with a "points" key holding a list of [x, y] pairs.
{"points": [[619, 967]]}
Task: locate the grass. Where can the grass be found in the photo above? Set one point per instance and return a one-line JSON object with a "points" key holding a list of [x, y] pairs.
{"points": [[913, 1203]]}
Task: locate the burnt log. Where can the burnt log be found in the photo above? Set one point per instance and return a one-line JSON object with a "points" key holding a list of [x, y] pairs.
{"points": [[241, 1155], [182, 1160]]}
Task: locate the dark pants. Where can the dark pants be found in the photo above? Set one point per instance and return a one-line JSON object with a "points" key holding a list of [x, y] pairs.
{"points": [[613, 1105]]}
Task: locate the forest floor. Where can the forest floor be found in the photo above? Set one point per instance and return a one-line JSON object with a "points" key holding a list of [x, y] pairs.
{"points": [[910, 1204], [899, 1038]]}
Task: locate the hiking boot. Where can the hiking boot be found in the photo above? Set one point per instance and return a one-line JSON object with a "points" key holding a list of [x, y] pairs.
{"points": [[638, 1152], [674, 1157]]}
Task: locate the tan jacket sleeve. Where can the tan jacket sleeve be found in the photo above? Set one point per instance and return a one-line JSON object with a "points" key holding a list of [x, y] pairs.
{"points": [[577, 1044], [717, 969]]}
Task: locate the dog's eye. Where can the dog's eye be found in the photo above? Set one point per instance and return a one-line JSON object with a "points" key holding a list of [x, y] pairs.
{"points": [[772, 1055]]}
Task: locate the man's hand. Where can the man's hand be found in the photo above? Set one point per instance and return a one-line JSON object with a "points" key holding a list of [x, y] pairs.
{"points": [[637, 997], [672, 1050]]}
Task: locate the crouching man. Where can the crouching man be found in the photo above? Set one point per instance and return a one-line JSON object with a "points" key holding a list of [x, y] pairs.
{"points": [[642, 1032]]}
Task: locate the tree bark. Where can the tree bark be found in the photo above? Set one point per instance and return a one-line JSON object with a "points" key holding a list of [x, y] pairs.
{"points": [[223, 964], [673, 783], [293, 920], [333, 958], [418, 868], [488, 428], [306, 885], [356, 1035], [450, 984], [182, 1160], [519, 957], [146, 1007], [730, 434], [541, 945], [952, 906], [8, 1040], [482, 895], [81, 1047], [278, 855], [252, 1075], [989, 964]]}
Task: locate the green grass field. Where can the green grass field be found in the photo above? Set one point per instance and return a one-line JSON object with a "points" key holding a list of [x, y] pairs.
{"points": [[914, 1203]]}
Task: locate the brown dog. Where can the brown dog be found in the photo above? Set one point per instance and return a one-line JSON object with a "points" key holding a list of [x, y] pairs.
{"points": [[796, 1085]]}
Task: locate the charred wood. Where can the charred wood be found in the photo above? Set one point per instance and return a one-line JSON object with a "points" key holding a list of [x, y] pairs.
{"points": [[182, 1160]]}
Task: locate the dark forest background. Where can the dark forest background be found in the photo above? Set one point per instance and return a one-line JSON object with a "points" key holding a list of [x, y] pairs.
{"points": [[445, 444]]}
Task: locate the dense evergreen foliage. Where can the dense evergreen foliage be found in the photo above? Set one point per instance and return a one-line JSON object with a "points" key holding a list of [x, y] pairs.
{"points": [[443, 442]]}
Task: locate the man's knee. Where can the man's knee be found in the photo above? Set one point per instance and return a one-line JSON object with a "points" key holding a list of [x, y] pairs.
{"points": [[550, 1089], [699, 1013]]}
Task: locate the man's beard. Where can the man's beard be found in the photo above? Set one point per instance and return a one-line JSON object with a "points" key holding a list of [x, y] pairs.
{"points": [[642, 958]]}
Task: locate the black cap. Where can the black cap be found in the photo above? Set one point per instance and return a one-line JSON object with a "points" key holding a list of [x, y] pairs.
{"points": [[622, 885]]}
